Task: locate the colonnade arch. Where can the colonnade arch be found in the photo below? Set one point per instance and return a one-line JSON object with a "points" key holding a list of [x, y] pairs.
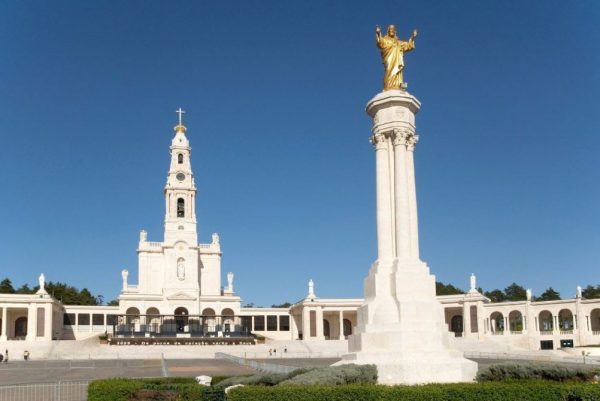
{"points": [[515, 321], [456, 325], [21, 327], [181, 318], [326, 329], [133, 315], [497, 322], [565, 320], [545, 321], [347, 328], [228, 319], [595, 320]]}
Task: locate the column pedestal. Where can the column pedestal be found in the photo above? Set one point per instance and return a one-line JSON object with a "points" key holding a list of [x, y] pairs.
{"points": [[401, 325]]}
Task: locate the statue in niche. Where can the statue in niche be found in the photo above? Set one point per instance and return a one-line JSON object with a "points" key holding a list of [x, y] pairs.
{"points": [[181, 269], [392, 55]]}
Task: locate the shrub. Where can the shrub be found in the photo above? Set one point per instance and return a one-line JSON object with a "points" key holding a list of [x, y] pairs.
{"points": [[179, 388], [344, 374], [538, 372], [113, 389], [268, 379], [489, 391]]}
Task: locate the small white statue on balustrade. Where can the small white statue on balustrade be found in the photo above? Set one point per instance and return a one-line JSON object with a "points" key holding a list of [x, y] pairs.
{"points": [[124, 274], [230, 282], [42, 283], [311, 289]]}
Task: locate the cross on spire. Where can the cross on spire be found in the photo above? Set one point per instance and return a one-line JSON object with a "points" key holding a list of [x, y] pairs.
{"points": [[180, 112]]}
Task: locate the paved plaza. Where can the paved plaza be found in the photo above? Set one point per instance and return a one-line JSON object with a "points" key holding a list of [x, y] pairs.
{"points": [[30, 372], [55, 371]]}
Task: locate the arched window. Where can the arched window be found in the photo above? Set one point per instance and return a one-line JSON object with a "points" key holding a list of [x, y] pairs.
{"points": [[180, 207], [180, 158]]}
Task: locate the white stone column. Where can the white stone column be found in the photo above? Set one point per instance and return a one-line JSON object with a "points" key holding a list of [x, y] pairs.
{"points": [[466, 320], [319, 323], [4, 335], [31, 322], [305, 323], [411, 142], [341, 318], [402, 212], [48, 324], [400, 326], [385, 251]]}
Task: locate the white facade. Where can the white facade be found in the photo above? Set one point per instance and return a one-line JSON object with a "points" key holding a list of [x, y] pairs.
{"points": [[179, 275]]}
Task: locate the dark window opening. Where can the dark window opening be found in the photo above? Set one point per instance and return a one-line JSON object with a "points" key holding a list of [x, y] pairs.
{"points": [[180, 207], [111, 319], [83, 319], [69, 319], [547, 344], [284, 323], [180, 158], [97, 319], [259, 323], [271, 323]]}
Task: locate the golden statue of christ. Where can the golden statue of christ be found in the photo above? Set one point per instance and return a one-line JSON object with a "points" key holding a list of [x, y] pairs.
{"points": [[392, 55]]}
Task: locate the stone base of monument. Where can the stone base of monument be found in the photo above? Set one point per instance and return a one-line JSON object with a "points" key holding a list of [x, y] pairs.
{"points": [[405, 336]]}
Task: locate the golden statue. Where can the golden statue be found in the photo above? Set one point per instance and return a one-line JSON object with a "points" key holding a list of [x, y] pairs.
{"points": [[392, 55]]}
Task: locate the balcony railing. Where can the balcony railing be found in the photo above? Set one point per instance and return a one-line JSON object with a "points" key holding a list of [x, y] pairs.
{"points": [[546, 332], [566, 332], [516, 332]]}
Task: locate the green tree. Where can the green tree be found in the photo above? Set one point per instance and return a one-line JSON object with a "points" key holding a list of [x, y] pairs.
{"points": [[446, 289], [283, 305], [6, 287], [495, 295], [591, 292], [515, 292], [24, 289], [549, 295]]}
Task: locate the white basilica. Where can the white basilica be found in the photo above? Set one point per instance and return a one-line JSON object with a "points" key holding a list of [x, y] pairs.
{"points": [[180, 298]]}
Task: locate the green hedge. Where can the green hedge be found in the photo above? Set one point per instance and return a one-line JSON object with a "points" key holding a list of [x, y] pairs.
{"points": [[505, 372], [125, 389], [336, 375], [488, 391]]}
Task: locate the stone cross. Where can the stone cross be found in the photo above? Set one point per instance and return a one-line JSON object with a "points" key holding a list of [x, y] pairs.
{"points": [[180, 112]]}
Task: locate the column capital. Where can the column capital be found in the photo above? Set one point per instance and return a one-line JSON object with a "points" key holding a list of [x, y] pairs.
{"points": [[378, 141], [411, 141]]}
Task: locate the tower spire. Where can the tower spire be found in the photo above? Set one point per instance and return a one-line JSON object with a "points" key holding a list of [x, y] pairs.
{"points": [[180, 127]]}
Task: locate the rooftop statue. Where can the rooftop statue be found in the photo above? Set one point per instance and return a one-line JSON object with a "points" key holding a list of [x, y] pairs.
{"points": [[392, 55]]}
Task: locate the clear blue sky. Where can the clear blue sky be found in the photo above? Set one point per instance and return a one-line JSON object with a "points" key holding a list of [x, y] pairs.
{"points": [[508, 173]]}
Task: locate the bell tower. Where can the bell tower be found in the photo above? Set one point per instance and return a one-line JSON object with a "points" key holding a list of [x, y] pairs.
{"points": [[180, 191]]}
